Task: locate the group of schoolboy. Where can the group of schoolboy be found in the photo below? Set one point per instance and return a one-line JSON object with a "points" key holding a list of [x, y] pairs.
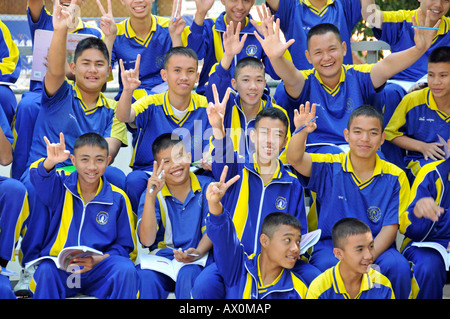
{"points": [[234, 221]]}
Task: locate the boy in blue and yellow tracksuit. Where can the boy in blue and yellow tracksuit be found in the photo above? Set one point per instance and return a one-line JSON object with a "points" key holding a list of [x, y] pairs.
{"points": [[103, 221], [206, 41], [251, 198], [10, 67], [431, 188], [236, 118], [242, 272], [13, 208], [30, 102]]}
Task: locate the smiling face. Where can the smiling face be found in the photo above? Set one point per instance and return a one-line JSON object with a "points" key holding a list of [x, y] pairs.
{"points": [[90, 162], [438, 8], [237, 10], [269, 139], [250, 84], [91, 70], [283, 248], [181, 74], [356, 254], [138, 8], [176, 164], [364, 136], [326, 54]]}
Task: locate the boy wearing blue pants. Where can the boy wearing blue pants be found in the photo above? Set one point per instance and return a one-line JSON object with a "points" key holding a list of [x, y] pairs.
{"points": [[10, 67], [13, 208], [72, 109], [171, 219], [427, 220], [93, 213]]}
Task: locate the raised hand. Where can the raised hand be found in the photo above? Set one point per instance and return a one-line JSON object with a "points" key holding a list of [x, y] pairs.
{"points": [[272, 42], [216, 110], [107, 24], [264, 15], [157, 179], [130, 78], [56, 152], [423, 38], [176, 24], [61, 18], [216, 190], [203, 6], [304, 115], [231, 43]]}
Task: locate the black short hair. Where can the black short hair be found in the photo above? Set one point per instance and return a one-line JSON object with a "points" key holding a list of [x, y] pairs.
{"points": [[273, 113], [165, 141], [272, 221], [347, 227], [91, 43], [440, 54], [179, 51], [92, 139], [323, 28], [366, 110], [248, 61]]}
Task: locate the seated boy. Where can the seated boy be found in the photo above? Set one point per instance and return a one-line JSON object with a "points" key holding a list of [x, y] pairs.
{"points": [[73, 110], [91, 212], [427, 220], [150, 36], [205, 37], [171, 219], [423, 115], [10, 67], [176, 110], [248, 95], [30, 102], [352, 277], [337, 89], [396, 29], [13, 208], [355, 184], [265, 184], [264, 275]]}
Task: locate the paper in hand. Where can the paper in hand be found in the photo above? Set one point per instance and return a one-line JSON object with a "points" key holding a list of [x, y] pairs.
{"points": [[445, 148]]}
